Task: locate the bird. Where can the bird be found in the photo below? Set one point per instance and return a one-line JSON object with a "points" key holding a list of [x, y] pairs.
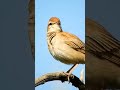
{"points": [[63, 46], [102, 58]]}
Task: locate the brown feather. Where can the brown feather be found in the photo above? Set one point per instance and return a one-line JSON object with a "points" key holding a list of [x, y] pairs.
{"points": [[101, 43]]}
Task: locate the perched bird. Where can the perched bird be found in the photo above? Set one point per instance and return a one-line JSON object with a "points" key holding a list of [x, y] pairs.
{"points": [[102, 58], [63, 46]]}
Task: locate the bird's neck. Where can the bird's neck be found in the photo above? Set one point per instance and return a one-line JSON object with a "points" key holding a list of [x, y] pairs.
{"points": [[56, 30]]}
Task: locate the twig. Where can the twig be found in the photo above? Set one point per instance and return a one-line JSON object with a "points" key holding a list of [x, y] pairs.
{"points": [[60, 76]]}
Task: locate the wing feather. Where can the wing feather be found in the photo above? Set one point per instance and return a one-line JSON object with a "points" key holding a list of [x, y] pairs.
{"points": [[74, 42], [101, 43]]}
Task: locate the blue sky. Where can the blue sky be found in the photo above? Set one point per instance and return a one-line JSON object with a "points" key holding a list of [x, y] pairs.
{"points": [[72, 16]]}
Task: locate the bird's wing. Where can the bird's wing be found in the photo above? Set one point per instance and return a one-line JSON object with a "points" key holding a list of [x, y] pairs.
{"points": [[74, 42], [101, 43]]}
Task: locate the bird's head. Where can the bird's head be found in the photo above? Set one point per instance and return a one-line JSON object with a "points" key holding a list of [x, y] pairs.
{"points": [[54, 25]]}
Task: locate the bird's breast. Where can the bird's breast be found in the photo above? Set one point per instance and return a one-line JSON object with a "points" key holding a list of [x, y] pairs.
{"points": [[64, 53]]}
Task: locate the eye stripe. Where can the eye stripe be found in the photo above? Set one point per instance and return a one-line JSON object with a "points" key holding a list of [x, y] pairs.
{"points": [[54, 23]]}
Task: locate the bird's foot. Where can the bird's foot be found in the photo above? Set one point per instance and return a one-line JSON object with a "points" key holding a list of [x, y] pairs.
{"points": [[68, 76]]}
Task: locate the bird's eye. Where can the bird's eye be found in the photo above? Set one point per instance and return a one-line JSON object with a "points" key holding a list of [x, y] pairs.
{"points": [[58, 23], [50, 23]]}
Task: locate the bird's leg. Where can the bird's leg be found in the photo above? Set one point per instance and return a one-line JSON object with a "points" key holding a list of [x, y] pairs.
{"points": [[72, 69], [69, 72]]}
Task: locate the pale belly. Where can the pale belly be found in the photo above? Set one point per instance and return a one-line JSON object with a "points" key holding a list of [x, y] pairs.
{"points": [[67, 55]]}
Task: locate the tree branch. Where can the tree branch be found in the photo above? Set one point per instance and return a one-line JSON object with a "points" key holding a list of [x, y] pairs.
{"points": [[60, 76]]}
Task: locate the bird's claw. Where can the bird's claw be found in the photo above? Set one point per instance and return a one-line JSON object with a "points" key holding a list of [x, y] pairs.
{"points": [[68, 76]]}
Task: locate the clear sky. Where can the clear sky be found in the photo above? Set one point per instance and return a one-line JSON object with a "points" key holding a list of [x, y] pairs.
{"points": [[72, 16]]}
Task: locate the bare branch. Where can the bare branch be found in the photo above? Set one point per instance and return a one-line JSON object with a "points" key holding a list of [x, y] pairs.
{"points": [[60, 76]]}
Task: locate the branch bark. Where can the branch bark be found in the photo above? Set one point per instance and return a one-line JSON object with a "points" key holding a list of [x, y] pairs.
{"points": [[62, 77]]}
